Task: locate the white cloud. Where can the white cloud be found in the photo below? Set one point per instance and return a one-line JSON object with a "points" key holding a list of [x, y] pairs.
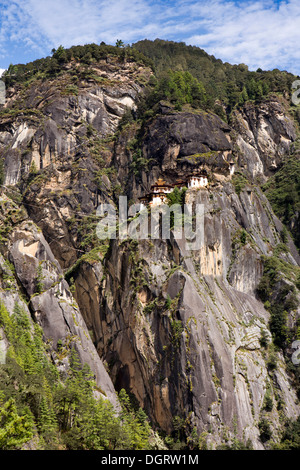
{"points": [[260, 34], [72, 22], [263, 33]]}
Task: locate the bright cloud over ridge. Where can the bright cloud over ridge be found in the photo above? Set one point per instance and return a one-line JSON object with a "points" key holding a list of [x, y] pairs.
{"points": [[262, 33]]}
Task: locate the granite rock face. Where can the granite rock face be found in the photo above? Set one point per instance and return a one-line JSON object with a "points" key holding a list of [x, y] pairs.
{"points": [[180, 329], [51, 302], [175, 138], [265, 134]]}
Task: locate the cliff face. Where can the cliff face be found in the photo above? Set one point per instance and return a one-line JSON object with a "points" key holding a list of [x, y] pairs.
{"points": [[264, 135], [180, 329], [54, 173]]}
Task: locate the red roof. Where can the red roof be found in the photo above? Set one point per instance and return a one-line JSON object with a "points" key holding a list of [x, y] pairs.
{"points": [[160, 183]]}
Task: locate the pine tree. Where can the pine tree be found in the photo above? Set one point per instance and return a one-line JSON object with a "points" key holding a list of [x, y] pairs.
{"points": [[39, 279], [243, 96], [2, 175], [119, 43], [15, 430], [47, 421]]}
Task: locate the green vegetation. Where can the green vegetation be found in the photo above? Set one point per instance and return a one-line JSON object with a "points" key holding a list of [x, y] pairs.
{"points": [[58, 412], [138, 163], [53, 66], [236, 444], [177, 88], [184, 75], [177, 196], [290, 439], [224, 83], [283, 192], [177, 329], [15, 430], [1, 171], [278, 290], [265, 432], [239, 182], [70, 90], [10, 214], [279, 296], [39, 285], [93, 256]]}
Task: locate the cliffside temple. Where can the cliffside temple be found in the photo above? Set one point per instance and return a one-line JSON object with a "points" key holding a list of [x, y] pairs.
{"points": [[160, 189]]}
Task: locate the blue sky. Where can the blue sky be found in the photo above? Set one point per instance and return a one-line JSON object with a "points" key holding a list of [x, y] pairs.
{"points": [[262, 33]]}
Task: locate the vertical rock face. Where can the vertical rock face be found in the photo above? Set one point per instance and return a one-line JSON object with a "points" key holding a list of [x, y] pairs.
{"points": [[46, 140], [180, 329], [51, 302], [265, 134]]}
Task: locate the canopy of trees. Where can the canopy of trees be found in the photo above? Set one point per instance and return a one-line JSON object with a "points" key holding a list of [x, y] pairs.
{"points": [[58, 412], [195, 75], [87, 54], [232, 84], [283, 192]]}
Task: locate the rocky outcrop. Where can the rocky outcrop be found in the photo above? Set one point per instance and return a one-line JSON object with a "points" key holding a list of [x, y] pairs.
{"points": [[176, 143], [183, 139], [56, 146], [51, 302], [43, 124], [264, 135]]}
